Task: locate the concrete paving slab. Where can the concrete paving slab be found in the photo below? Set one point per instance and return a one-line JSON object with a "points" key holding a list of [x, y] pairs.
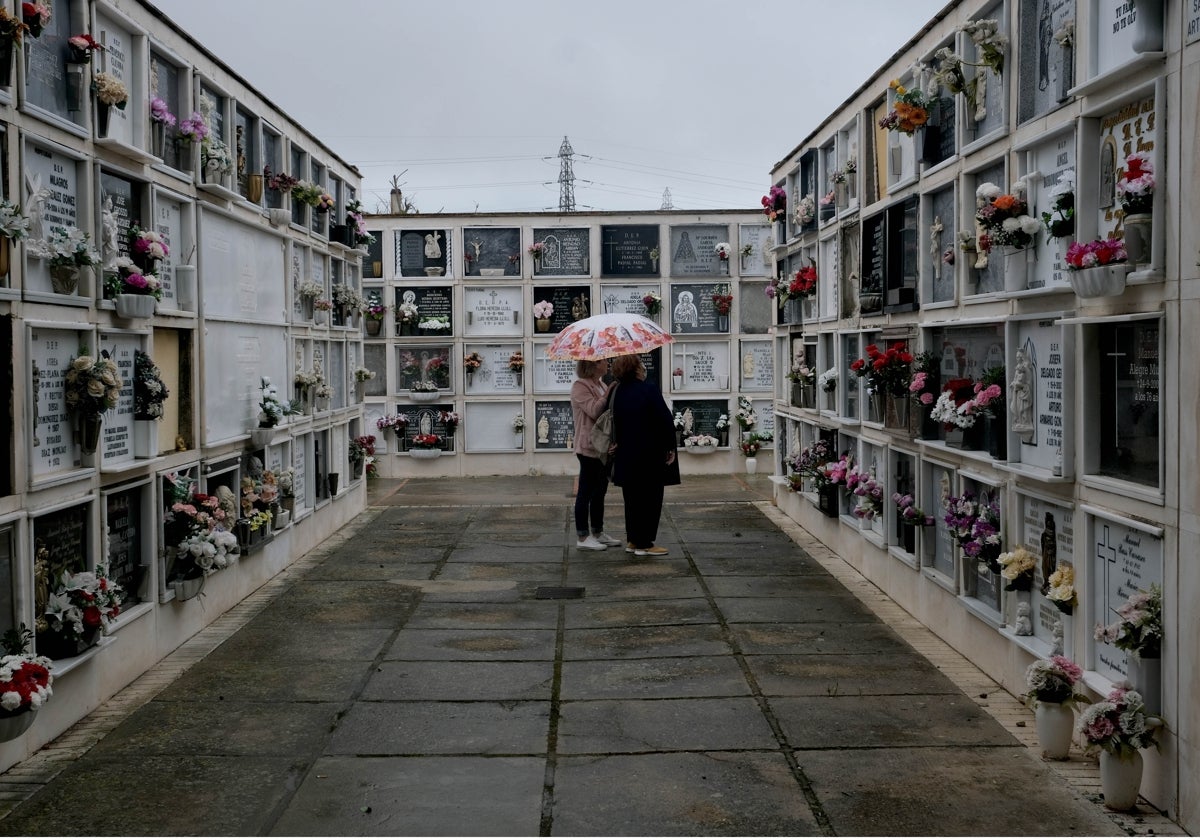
{"points": [[490, 551], [337, 603], [918, 720], [222, 677], [616, 564], [671, 588], [302, 642], [394, 680], [840, 639], [415, 797], [790, 675], [799, 608], [922, 792], [481, 645], [184, 728], [680, 795], [696, 676], [442, 728], [608, 727], [793, 562], [638, 613], [524, 615], [773, 586], [506, 571], [642, 642], [372, 570]]}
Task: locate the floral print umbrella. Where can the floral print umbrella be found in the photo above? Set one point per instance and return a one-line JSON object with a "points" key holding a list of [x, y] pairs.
{"points": [[606, 336]]}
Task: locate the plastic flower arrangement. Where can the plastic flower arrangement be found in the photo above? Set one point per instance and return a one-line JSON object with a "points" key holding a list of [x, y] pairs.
{"points": [[955, 406], [127, 280], [678, 420], [323, 305], [360, 447], [722, 422], [836, 471], [810, 463], [1135, 187], [160, 112], [723, 250], [354, 218], [1138, 629], [907, 510], [396, 422], [472, 361], [988, 392], [110, 90], [745, 414], [1004, 217], [436, 323], [1060, 219], [67, 247], [424, 386], [1060, 589], [806, 210], [747, 249], [869, 492], [1053, 680], [516, 362], [427, 441], [325, 203], [204, 552], [25, 679], [216, 156], [652, 301], [375, 311], [272, 409], [985, 34], [193, 129], [363, 374], [887, 371], [802, 374], [828, 199], [308, 289], [722, 301], [279, 181], [700, 440], [91, 385], [149, 392], [910, 109], [36, 16], [543, 309], [81, 603], [828, 380], [81, 48], [975, 526], [804, 282], [1082, 255], [147, 244], [12, 29], [347, 297], [751, 445], [774, 203], [1118, 724], [13, 223], [518, 423], [406, 313], [1016, 567], [306, 192], [536, 250]]}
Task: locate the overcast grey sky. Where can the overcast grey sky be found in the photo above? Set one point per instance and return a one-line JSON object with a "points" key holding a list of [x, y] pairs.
{"points": [[471, 99]]}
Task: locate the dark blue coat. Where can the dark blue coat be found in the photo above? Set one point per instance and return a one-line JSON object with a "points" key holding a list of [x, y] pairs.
{"points": [[645, 433]]}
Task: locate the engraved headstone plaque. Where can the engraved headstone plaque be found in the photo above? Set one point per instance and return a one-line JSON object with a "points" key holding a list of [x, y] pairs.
{"points": [[629, 250], [565, 251]]}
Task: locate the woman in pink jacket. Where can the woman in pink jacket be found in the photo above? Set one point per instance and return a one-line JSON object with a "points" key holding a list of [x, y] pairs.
{"points": [[589, 399]]}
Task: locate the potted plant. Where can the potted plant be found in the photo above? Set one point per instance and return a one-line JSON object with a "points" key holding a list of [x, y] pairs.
{"points": [[14, 225], [543, 310], [25, 683], [77, 611], [1119, 726], [68, 250], [1097, 268], [1135, 190], [652, 303], [426, 446], [321, 309], [373, 314], [1138, 631], [92, 385], [134, 293], [1051, 690], [149, 392]]}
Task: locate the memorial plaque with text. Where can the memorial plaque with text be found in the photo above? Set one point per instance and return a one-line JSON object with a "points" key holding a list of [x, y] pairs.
{"points": [[703, 415], [53, 448], [705, 364], [553, 425], [60, 538], [757, 366], [1122, 560], [492, 310], [431, 302], [120, 208], [422, 364], [424, 419], [629, 250], [46, 169], [552, 376], [494, 376], [46, 67], [874, 258], [565, 251], [691, 309], [626, 299], [1047, 530], [693, 250], [492, 252], [373, 264], [571, 303], [758, 262], [419, 250], [123, 518], [117, 432]]}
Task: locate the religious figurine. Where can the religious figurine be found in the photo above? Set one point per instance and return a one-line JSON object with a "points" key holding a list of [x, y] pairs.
{"points": [[228, 503], [579, 307], [180, 444], [41, 586], [254, 467], [748, 366], [935, 246], [685, 311], [1020, 397], [688, 421], [981, 254], [1049, 552], [425, 423], [110, 250], [1023, 625], [1057, 632], [543, 429], [433, 250]]}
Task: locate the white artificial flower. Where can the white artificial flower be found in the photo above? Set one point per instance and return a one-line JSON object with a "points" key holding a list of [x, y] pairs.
{"points": [[987, 191]]}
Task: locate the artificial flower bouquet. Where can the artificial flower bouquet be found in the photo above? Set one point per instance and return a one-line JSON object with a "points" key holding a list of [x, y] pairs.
{"points": [[272, 409], [518, 423], [361, 447], [406, 313], [82, 605], [92, 385], [375, 311], [804, 282], [700, 441], [774, 203], [722, 301], [424, 387], [110, 90], [13, 223], [746, 415], [160, 112], [25, 678], [543, 309], [1138, 629], [955, 406], [437, 323], [36, 16], [1053, 680], [66, 248], [828, 380], [310, 290], [323, 305], [809, 464], [909, 513], [149, 391], [751, 445], [652, 301], [910, 109], [1059, 220], [1082, 255], [472, 362], [1118, 724], [536, 250], [396, 422], [1135, 187], [802, 374], [128, 280], [806, 210], [869, 491], [516, 361], [888, 371], [1005, 217], [975, 526], [12, 29], [1016, 567], [723, 250], [427, 441], [1060, 589], [81, 48], [279, 181]]}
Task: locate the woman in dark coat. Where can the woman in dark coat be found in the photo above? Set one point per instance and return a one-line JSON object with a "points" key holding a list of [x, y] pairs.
{"points": [[644, 461]]}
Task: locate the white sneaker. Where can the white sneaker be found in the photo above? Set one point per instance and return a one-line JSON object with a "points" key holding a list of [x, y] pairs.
{"points": [[590, 543], [606, 539]]}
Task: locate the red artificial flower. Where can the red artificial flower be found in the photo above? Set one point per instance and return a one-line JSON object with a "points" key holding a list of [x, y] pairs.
{"points": [[91, 616]]}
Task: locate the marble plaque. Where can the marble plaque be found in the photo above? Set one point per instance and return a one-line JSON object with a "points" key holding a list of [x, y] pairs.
{"points": [[705, 364], [627, 299], [693, 250], [494, 375], [123, 525], [691, 309], [1121, 560], [488, 251], [424, 363], [116, 438], [552, 376], [1052, 160], [1043, 358], [117, 60], [54, 446], [759, 262], [492, 311], [168, 222], [488, 427], [757, 362]]}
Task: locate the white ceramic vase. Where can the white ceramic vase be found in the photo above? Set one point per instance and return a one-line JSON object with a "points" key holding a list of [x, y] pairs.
{"points": [[1120, 780], [1055, 726]]}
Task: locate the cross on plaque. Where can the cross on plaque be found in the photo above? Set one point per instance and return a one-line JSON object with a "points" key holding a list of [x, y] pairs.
{"points": [[1116, 404], [1108, 554]]}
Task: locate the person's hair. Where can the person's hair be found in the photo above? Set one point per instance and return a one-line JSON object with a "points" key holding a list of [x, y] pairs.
{"points": [[588, 368], [625, 367]]}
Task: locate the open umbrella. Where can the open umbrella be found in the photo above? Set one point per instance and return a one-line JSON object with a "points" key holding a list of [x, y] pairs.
{"points": [[606, 336]]}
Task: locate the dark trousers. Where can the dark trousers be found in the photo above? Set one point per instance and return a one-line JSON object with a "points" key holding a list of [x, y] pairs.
{"points": [[643, 510], [589, 500]]}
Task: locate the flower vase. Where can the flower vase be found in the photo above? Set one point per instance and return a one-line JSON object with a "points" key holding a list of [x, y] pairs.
{"points": [[542, 325], [973, 437], [282, 518], [954, 437], [254, 188], [722, 437], [908, 537], [76, 86], [103, 109], [188, 588], [1055, 726], [64, 279], [1099, 281], [1016, 269], [57, 646], [1145, 674], [676, 382], [320, 317], [1148, 26], [1138, 229], [135, 306], [1120, 779], [751, 465], [995, 435], [261, 437], [360, 391], [425, 454], [6, 62], [374, 326], [288, 504], [89, 433], [896, 412], [723, 322], [827, 500], [878, 407], [14, 724]]}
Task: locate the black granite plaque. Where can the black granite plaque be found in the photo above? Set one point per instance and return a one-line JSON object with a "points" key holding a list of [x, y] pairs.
{"points": [[693, 250], [123, 518], [629, 250], [565, 251], [431, 301], [63, 536], [652, 361], [571, 303], [553, 425], [492, 252], [425, 419], [692, 309], [704, 414], [422, 364], [125, 208], [874, 260], [422, 252]]}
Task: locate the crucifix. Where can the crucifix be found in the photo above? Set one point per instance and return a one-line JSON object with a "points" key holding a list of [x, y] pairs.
{"points": [[683, 354], [1116, 403], [37, 387]]}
